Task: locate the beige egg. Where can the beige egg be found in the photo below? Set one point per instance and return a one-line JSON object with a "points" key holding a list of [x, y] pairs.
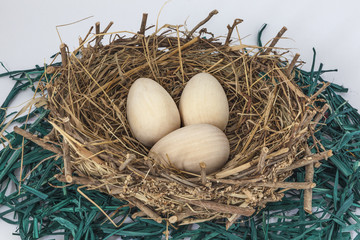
{"points": [[151, 111], [187, 147], [203, 100]]}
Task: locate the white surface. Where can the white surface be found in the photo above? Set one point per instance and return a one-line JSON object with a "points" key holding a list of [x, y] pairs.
{"points": [[28, 33]]}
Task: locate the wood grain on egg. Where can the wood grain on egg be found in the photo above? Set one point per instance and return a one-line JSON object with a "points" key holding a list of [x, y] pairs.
{"points": [[151, 111], [203, 100], [187, 147]]}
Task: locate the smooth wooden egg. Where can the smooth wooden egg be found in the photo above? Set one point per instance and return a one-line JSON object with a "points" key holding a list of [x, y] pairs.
{"points": [[187, 147], [203, 100], [151, 111]]}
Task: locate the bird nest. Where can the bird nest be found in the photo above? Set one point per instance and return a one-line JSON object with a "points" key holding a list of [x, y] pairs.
{"points": [[270, 122]]}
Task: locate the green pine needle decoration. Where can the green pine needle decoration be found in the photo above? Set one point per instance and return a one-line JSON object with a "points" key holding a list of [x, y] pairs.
{"points": [[40, 209]]}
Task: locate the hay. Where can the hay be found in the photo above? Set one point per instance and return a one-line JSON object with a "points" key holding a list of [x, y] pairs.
{"points": [[269, 124]]}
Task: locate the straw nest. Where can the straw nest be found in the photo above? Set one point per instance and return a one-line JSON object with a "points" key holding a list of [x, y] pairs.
{"points": [[269, 124]]}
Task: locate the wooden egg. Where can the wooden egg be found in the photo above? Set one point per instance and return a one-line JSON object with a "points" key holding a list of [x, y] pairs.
{"points": [[187, 147], [203, 100], [151, 111]]}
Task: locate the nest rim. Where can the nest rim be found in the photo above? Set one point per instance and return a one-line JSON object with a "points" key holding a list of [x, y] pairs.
{"points": [[85, 157]]}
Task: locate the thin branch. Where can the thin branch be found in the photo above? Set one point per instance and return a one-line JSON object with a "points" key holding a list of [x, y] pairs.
{"points": [[87, 35], [146, 210], [203, 172], [219, 207], [289, 185], [64, 57], [97, 32], [324, 86], [308, 160], [143, 24], [309, 177], [37, 140], [67, 163], [261, 163], [231, 29], [274, 41], [105, 31], [320, 115], [211, 14], [292, 64]]}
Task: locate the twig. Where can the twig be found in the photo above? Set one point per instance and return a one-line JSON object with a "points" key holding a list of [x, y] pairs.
{"points": [[87, 35], [275, 40], [309, 177], [143, 24], [290, 185], [172, 177], [180, 216], [244, 173], [77, 180], [99, 38], [211, 14], [320, 114], [324, 86], [219, 207], [108, 27], [37, 140], [97, 32], [292, 64], [67, 163], [265, 201], [97, 28], [231, 29], [203, 172], [294, 131], [308, 160], [64, 59], [245, 166], [204, 31], [305, 123], [129, 158], [150, 213], [316, 141], [234, 170], [261, 163]]}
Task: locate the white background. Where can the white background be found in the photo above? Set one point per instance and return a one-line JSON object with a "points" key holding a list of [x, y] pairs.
{"points": [[29, 37]]}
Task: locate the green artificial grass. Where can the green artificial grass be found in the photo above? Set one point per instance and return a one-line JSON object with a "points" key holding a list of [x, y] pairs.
{"points": [[40, 209]]}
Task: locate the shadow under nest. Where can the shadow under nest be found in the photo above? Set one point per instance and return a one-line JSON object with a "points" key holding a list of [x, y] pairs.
{"points": [[270, 122]]}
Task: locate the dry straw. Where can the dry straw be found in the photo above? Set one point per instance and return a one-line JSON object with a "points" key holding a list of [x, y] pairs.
{"points": [[270, 122]]}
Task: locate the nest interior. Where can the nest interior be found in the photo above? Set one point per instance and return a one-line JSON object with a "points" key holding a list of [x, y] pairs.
{"points": [[270, 122]]}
